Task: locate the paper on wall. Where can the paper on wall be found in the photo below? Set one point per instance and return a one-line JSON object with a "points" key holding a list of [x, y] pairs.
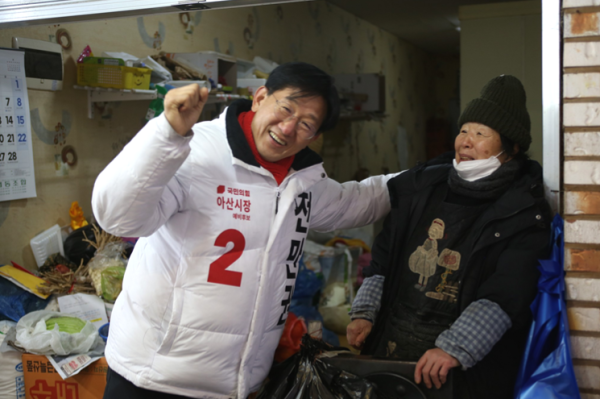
{"points": [[17, 174]]}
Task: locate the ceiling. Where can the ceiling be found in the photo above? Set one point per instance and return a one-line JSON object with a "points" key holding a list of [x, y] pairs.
{"points": [[431, 25]]}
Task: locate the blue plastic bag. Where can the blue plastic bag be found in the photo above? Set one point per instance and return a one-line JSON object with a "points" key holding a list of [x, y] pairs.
{"points": [[546, 369], [308, 285], [307, 282], [15, 302]]}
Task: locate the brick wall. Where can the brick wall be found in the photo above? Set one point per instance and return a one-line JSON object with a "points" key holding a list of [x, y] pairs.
{"points": [[581, 180]]}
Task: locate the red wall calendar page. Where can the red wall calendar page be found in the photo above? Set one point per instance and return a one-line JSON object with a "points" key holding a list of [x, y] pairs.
{"points": [[17, 178]]}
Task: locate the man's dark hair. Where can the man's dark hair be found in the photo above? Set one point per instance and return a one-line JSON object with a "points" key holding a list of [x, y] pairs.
{"points": [[310, 82]]}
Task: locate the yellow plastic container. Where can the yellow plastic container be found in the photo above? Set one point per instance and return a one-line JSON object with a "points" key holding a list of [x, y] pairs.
{"points": [[136, 78], [111, 76]]}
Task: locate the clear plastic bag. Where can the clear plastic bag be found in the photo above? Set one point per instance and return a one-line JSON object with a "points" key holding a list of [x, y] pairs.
{"points": [[112, 282], [308, 284], [338, 295], [34, 337], [109, 256]]}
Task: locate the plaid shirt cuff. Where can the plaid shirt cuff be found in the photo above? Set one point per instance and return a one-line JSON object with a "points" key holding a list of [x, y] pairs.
{"points": [[473, 335], [368, 299]]}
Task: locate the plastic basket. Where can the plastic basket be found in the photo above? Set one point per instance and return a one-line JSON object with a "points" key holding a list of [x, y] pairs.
{"points": [[47, 243], [103, 331], [112, 76], [136, 78]]}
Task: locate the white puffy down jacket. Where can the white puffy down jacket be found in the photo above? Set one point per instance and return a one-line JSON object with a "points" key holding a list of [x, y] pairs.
{"points": [[207, 288]]}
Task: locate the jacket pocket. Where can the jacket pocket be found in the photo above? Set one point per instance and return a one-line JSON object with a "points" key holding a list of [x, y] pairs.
{"points": [[174, 320]]}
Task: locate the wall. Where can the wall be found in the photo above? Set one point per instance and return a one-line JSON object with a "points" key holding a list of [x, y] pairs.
{"points": [[442, 124], [512, 46], [446, 88], [581, 180], [316, 32]]}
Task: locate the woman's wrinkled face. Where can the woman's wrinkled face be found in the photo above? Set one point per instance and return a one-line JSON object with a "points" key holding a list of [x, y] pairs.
{"points": [[477, 141]]}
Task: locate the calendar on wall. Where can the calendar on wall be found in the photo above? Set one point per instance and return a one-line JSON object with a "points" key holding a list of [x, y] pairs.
{"points": [[17, 179]]}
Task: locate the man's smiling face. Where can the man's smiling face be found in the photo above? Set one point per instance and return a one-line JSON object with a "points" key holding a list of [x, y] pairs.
{"points": [[284, 123]]}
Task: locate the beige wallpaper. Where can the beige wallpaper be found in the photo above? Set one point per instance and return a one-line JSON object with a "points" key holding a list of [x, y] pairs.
{"points": [[513, 46], [315, 32]]}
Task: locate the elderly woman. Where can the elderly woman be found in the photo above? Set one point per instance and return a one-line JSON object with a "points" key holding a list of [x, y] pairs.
{"points": [[455, 268]]}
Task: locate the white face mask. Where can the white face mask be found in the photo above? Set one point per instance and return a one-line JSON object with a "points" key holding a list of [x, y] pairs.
{"points": [[477, 168]]}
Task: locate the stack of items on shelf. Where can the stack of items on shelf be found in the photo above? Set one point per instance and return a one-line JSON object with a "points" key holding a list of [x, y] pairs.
{"points": [[125, 71], [111, 72], [151, 77], [226, 73], [54, 321]]}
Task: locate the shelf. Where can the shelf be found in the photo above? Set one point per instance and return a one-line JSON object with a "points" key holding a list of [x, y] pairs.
{"points": [[100, 94], [223, 98]]}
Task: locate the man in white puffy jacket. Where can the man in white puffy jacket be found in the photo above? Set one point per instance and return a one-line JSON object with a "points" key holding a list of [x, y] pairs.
{"points": [[223, 208]]}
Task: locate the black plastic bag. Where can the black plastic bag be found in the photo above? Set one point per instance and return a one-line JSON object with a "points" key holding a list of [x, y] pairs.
{"points": [[346, 384], [77, 250], [305, 376]]}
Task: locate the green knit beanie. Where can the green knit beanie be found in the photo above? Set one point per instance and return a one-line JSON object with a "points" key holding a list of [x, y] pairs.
{"points": [[501, 106]]}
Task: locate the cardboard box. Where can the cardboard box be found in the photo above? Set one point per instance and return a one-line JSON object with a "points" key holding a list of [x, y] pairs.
{"points": [[370, 84], [214, 64], [245, 69], [43, 382]]}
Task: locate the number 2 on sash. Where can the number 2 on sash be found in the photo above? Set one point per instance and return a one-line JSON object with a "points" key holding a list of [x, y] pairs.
{"points": [[218, 273]]}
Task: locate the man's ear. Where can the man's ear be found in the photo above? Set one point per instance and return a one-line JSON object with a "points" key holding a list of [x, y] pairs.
{"points": [[314, 138], [260, 96]]}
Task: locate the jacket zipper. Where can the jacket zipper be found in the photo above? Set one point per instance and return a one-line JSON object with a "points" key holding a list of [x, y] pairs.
{"points": [[264, 260]]}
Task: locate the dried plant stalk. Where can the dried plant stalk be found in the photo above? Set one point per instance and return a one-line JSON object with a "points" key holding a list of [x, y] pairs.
{"points": [[61, 283], [102, 238], [80, 280]]}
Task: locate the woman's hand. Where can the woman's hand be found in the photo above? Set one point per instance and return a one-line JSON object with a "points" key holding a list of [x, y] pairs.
{"points": [[357, 332], [434, 366]]}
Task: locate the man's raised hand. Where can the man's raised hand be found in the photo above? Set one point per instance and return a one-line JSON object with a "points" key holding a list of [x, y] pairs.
{"points": [[183, 107]]}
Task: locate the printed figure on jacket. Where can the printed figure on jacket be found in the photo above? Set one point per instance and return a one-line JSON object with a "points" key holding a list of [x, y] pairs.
{"points": [[454, 269], [424, 260]]}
